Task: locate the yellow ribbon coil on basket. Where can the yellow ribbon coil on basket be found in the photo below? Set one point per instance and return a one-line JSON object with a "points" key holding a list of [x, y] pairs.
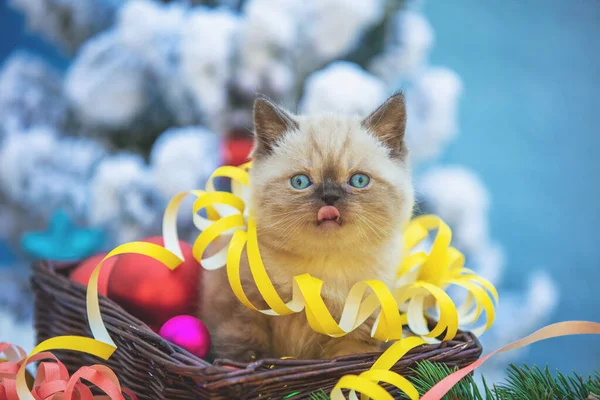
{"points": [[420, 292]]}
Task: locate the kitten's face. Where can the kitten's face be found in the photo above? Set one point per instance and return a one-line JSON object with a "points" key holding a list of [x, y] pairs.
{"points": [[329, 181]]}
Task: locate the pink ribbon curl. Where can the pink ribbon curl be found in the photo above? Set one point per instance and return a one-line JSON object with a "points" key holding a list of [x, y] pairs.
{"points": [[52, 381]]}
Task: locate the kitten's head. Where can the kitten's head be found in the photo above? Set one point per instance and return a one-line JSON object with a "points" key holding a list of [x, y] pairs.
{"points": [[330, 181]]}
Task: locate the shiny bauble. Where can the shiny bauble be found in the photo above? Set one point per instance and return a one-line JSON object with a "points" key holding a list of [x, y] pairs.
{"points": [[83, 271], [150, 291], [187, 332]]}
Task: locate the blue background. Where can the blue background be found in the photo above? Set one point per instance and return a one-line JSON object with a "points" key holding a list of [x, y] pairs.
{"points": [[528, 127]]}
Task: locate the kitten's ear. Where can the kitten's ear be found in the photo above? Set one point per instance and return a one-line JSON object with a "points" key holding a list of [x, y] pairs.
{"points": [[388, 124], [270, 124]]}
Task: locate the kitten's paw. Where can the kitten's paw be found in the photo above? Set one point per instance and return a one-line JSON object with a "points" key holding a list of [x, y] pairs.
{"points": [[241, 355], [347, 348], [249, 356]]}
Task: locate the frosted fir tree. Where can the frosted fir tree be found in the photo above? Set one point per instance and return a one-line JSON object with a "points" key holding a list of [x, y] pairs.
{"points": [[154, 87], [67, 24], [30, 94]]}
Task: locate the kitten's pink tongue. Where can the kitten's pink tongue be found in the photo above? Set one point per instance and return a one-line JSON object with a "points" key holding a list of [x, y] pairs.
{"points": [[328, 213]]}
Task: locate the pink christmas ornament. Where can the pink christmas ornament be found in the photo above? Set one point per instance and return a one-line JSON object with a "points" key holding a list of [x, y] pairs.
{"points": [[187, 332]]}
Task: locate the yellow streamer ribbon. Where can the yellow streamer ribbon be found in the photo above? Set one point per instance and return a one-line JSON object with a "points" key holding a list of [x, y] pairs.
{"points": [[423, 278], [380, 371]]}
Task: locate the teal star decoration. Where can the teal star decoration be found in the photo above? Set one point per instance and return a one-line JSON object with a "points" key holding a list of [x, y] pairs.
{"points": [[63, 241]]}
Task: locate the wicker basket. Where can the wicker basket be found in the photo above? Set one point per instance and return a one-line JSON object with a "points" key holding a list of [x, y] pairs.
{"points": [[155, 369]]}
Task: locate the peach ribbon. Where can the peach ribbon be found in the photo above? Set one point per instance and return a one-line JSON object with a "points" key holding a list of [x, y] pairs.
{"points": [[559, 329]]}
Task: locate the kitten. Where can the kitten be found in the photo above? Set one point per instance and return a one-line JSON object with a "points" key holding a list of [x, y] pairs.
{"points": [[330, 195]]}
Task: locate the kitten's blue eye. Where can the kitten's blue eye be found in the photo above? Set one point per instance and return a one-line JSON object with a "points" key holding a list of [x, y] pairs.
{"points": [[300, 182], [359, 181]]}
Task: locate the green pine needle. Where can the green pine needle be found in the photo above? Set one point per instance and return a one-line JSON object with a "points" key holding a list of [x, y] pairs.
{"points": [[320, 395]]}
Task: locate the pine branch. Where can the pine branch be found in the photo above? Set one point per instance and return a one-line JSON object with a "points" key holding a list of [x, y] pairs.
{"points": [[521, 383], [428, 374], [535, 383]]}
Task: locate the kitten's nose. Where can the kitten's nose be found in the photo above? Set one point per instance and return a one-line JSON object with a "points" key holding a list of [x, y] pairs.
{"points": [[330, 198]]}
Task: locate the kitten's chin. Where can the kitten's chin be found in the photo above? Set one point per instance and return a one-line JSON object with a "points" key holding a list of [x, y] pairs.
{"points": [[329, 226]]}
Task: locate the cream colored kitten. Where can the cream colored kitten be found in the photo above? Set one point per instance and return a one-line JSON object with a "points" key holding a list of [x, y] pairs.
{"points": [[330, 195]]}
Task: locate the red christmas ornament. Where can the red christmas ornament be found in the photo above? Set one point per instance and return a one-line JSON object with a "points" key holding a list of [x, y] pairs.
{"points": [[236, 151], [83, 271], [150, 291]]}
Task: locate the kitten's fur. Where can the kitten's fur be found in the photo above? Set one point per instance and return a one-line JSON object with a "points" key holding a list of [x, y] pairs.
{"points": [[367, 245]]}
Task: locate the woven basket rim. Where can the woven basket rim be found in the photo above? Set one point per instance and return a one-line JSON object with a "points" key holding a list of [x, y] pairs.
{"points": [[50, 279]]}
